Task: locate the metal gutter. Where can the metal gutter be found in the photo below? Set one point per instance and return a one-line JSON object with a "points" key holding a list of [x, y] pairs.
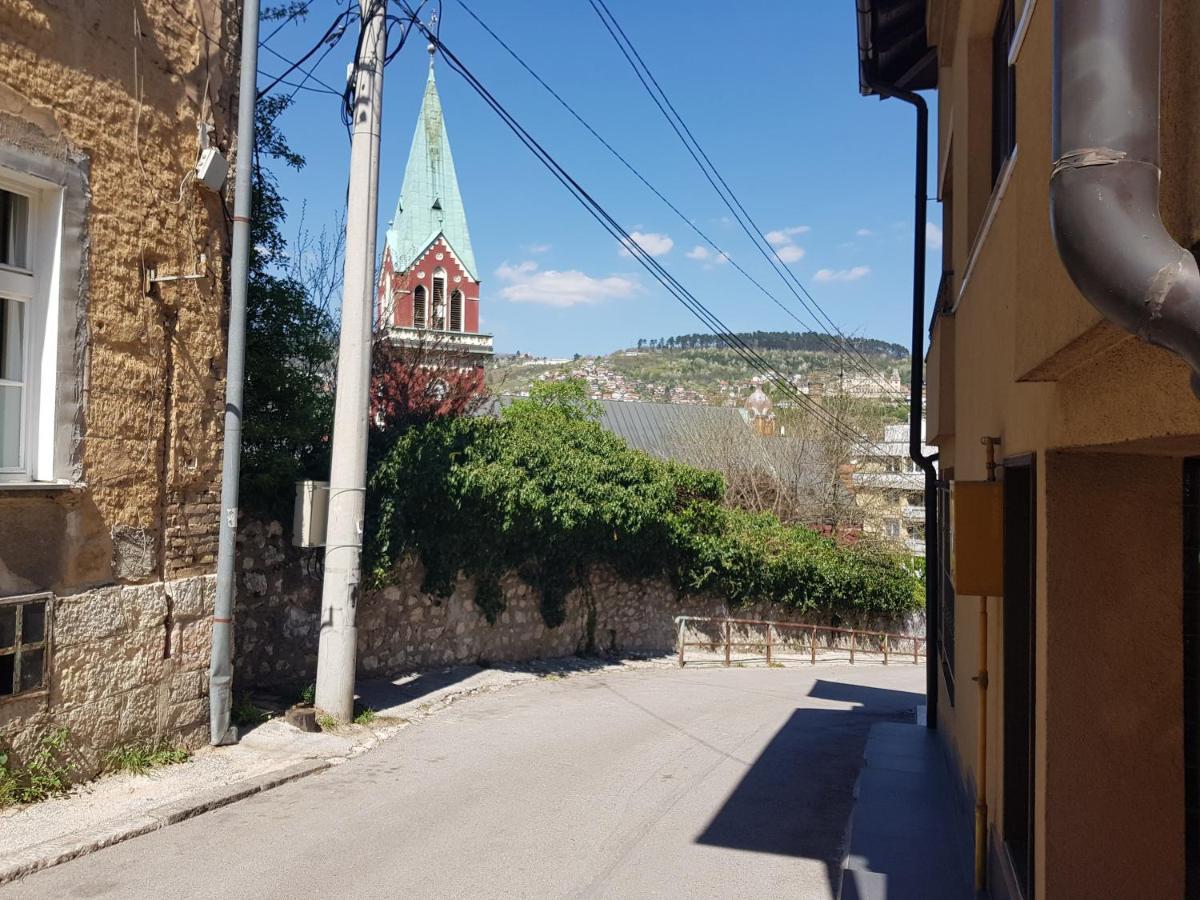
{"points": [[1104, 185]]}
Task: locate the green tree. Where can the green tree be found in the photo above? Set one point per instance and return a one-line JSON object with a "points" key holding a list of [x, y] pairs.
{"points": [[290, 339]]}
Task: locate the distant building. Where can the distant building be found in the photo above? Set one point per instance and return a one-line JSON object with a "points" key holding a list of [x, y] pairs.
{"points": [[428, 292], [761, 413], [889, 489]]}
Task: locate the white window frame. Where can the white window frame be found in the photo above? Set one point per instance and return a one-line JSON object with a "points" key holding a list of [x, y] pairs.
{"points": [[37, 286]]}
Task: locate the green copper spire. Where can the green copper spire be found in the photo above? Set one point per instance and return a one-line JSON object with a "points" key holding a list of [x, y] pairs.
{"points": [[430, 203]]}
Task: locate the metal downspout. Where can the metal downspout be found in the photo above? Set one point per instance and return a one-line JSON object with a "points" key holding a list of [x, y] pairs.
{"points": [[220, 677], [915, 409], [1104, 185]]}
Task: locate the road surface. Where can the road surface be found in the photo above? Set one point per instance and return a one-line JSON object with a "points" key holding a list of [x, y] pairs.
{"points": [[694, 783]]}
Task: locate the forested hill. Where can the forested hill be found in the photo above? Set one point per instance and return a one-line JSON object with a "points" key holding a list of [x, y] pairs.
{"points": [[810, 341]]}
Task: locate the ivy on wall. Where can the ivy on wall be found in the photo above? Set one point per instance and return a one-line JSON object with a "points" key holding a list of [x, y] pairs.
{"points": [[545, 492]]}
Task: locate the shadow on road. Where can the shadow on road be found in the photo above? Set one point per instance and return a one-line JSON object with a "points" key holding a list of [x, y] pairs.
{"points": [[797, 796], [382, 693]]}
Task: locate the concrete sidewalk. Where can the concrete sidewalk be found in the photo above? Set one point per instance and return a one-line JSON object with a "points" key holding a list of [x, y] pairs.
{"points": [[117, 807], [908, 840]]}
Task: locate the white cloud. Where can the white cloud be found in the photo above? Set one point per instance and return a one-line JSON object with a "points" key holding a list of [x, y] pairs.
{"points": [[790, 253], [782, 236], [652, 242], [933, 236], [708, 256], [539, 248], [854, 274], [525, 283], [864, 232]]}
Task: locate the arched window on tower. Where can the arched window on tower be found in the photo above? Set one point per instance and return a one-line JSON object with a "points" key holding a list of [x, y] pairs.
{"points": [[439, 300], [456, 311], [419, 306]]}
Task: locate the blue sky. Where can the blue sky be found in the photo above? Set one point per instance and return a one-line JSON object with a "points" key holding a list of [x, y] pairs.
{"points": [[769, 89]]}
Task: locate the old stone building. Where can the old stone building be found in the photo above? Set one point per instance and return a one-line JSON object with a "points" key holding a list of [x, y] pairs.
{"points": [[112, 302]]}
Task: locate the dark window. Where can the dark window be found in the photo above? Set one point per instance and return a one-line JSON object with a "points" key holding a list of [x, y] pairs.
{"points": [[23, 644], [1019, 614], [419, 307], [1004, 91], [456, 311], [14, 229], [945, 623], [1191, 674]]}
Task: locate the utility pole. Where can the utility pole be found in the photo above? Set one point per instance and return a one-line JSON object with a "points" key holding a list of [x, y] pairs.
{"points": [[220, 675], [348, 470]]}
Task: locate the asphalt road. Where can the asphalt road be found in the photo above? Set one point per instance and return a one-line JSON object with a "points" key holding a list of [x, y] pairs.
{"points": [[700, 783]]}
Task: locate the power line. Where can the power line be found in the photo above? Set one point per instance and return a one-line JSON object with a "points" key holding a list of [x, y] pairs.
{"points": [[682, 217], [672, 285], [696, 151], [309, 74], [329, 33]]}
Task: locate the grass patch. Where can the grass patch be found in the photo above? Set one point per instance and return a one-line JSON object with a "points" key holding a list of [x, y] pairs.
{"points": [[365, 716], [308, 696], [244, 712], [140, 758], [42, 777], [326, 721]]}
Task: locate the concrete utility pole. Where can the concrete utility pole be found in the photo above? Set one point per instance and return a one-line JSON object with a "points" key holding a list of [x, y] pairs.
{"points": [[348, 471], [220, 675]]}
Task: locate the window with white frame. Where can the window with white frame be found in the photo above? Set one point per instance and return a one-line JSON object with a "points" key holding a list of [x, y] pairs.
{"points": [[30, 227], [419, 306]]}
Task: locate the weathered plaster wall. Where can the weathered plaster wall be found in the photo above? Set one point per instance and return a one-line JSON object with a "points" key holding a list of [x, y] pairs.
{"points": [[400, 628], [112, 95], [118, 94]]}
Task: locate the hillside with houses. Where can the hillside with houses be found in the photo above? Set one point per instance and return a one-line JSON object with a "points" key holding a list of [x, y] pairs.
{"points": [[698, 369]]}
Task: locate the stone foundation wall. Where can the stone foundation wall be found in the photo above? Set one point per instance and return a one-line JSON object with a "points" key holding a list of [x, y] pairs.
{"points": [[401, 629], [129, 665]]}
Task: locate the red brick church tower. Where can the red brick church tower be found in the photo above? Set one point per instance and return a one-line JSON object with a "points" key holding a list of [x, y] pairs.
{"points": [[428, 294]]}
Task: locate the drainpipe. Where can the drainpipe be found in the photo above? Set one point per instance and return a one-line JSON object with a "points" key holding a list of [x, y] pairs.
{"points": [[220, 677], [1104, 186], [915, 409]]}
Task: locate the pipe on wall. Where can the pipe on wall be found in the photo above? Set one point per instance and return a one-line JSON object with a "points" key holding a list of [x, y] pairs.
{"points": [[916, 410], [1104, 185]]}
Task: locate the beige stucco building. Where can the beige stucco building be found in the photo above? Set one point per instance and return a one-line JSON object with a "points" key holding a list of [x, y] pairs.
{"points": [[112, 302], [1081, 769]]}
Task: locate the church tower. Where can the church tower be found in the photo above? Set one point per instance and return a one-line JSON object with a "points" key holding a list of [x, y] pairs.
{"points": [[428, 293]]}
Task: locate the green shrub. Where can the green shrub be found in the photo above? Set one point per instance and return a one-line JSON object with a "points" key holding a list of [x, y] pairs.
{"points": [[545, 492], [43, 776]]}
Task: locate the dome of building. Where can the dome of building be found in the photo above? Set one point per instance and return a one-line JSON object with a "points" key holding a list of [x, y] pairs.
{"points": [[758, 404]]}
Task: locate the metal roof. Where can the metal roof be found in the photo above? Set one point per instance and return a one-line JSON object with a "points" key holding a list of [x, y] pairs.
{"points": [[430, 203], [893, 47], [664, 429]]}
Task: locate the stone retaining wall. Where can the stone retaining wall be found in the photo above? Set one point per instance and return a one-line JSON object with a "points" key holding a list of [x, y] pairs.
{"points": [[402, 629]]}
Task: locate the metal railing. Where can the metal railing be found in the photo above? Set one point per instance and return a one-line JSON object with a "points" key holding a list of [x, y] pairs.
{"points": [[778, 647]]}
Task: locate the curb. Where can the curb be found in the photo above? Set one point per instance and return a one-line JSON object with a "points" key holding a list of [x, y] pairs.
{"points": [[80, 843]]}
